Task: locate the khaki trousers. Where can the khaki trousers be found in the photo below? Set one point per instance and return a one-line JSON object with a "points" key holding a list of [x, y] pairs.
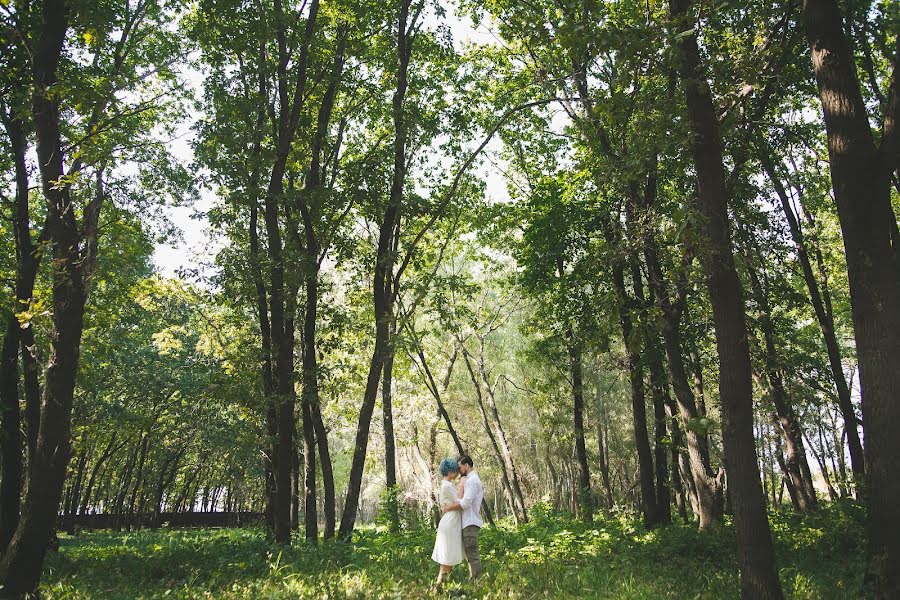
{"points": [[470, 545]]}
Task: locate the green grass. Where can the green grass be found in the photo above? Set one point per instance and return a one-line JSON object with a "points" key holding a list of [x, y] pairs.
{"points": [[551, 557]]}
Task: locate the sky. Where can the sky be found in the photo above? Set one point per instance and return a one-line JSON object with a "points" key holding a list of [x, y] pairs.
{"points": [[195, 247]]}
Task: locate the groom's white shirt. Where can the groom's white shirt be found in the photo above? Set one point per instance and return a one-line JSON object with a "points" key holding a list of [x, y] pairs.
{"points": [[471, 501]]}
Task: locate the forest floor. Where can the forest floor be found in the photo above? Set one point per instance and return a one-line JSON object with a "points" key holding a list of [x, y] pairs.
{"points": [[820, 556]]}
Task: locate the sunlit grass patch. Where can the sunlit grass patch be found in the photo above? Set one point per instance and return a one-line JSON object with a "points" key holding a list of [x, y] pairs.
{"points": [[552, 556]]}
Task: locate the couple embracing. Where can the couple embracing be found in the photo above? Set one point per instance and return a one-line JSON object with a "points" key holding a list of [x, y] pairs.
{"points": [[457, 533]]}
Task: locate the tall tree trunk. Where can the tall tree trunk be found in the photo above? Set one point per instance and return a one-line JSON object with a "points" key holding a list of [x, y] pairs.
{"points": [[10, 433], [11, 464], [861, 175], [782, 464], [756, 554], [22, 562], [384, 272], [313, 425], [825, 320], [585, 499], [268, 381], [167, 473], [678, 443], [281, 317], [138, 481], [125, 484], [649, 508], [708, 488], [299, 483]]}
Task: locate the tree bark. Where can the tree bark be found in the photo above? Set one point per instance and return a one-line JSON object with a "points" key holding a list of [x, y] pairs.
{"points": [[262, 304], [101, 460], [861, 174], [315, 435], [708, 488], [756, 555]]}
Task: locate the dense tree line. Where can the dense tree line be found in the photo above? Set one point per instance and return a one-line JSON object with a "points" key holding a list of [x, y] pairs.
{"points": [[682, 298]]}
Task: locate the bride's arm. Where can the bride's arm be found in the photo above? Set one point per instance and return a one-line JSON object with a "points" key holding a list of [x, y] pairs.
{"points": [[457, 505]]}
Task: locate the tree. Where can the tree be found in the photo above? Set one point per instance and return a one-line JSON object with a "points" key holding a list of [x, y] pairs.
{"points": [[759, 578], [861, 173]]}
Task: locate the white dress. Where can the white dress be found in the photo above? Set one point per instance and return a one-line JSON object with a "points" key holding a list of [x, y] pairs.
{"points": [[448, 546]]}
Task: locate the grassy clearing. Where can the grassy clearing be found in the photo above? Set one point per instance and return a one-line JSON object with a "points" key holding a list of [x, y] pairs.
{"points": [[553, 556]]}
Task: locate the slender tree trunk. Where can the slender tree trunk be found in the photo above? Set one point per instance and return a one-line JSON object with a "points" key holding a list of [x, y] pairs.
{"points": [[861, 177], [659, 393], [313, 425], [797, 467], [11, 464], [384, 272], [298, 483], [515, 487], [782, 464], [585, 498], [390, 452], [101, 460], [638, 403], [825, 320], [708, 488], [138, 482], [167, 473], [756, 554], [498, 454], [73, 501], [604, 461], [677, 444], [281, 317], [10, 434]]}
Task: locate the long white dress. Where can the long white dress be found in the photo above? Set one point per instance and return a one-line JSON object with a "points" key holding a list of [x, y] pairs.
{"points": [[448, 546]]}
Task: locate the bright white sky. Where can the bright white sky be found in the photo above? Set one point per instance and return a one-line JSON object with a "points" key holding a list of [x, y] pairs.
{"points": [[196, 247]]}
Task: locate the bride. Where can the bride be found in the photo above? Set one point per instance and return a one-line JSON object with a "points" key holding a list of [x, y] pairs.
{"points": [[448, 546]]}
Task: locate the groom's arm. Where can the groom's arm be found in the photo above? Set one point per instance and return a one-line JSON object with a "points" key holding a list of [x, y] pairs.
{"points": [[468, 497]]}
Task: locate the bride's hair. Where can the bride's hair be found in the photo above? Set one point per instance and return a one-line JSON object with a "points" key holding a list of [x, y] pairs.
{"points": [[448, 465]]}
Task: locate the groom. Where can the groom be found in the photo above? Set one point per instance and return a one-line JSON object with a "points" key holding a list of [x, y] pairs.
{"points": [[471, 514]]}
